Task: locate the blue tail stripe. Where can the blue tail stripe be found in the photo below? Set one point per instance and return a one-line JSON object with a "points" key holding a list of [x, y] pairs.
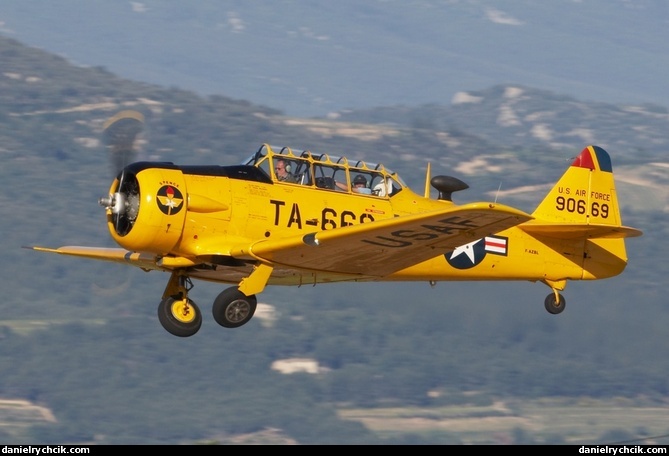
{"points": [[603, 159]]}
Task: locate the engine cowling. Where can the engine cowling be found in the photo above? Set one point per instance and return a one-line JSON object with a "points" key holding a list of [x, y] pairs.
{"points": [[146, 207]]}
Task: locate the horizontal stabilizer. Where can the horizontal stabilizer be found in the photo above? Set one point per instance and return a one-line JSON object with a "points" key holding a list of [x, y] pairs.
{"points": [[579, 231]]}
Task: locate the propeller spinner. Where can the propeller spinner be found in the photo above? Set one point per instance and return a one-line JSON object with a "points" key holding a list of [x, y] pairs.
{"points": [[123, 203]]}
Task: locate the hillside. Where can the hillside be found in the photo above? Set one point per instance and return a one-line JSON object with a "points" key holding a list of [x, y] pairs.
{"points": [[82, 345], [312, 58]]}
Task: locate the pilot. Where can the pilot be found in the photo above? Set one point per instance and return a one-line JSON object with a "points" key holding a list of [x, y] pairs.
{"points": [[282, 170], [360, 185]]}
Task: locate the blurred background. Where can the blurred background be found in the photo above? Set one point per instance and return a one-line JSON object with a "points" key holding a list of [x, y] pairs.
{"points": [[502, 98]]}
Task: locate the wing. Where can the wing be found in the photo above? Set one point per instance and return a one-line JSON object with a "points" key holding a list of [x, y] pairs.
{"points": [[373, 249], [380, 248], [141, 260]]}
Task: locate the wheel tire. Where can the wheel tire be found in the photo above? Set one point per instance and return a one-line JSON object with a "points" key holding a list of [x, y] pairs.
{"points": [[552, 306], [232, 308], [179, 319]]}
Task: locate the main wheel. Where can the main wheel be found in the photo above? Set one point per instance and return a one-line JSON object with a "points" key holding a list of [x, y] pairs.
{"points": [[553, 306], [232, 308], [179, 317]]}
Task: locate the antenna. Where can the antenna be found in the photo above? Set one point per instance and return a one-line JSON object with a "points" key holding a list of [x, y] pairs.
{"points": [[427, 181], [498, 189]]}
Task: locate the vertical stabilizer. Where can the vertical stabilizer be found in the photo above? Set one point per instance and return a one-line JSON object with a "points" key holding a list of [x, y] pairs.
{"points": [[585, 194]]}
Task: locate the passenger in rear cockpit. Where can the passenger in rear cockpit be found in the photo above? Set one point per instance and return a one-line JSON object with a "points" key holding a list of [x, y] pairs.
{"points": [[359, 185]]}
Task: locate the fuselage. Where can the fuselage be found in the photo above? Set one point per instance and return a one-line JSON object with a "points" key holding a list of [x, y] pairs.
{"points": [[194, 216]]}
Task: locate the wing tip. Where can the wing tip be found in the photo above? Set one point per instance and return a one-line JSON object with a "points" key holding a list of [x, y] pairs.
{"points": [[34, 247]]}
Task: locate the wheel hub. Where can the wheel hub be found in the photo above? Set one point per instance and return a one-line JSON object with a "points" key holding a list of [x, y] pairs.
{"points": [[182, 311]]}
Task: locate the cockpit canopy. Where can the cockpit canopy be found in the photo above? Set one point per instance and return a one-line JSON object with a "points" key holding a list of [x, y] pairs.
{"points": [[324, 171]]}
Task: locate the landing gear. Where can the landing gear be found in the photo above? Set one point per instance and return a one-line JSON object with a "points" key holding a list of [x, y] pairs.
{"points": [[180, 317], [232, 308], [554, 303]]}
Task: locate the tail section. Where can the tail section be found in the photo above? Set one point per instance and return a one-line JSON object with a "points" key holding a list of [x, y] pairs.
{"points": [[583, 203], [583, 207]]}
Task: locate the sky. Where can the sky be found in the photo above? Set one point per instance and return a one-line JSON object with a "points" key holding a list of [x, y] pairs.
{"points": [[316, 57]]}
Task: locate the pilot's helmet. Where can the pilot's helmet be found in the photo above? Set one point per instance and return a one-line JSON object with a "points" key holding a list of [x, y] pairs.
{"points": [[360, 179]]}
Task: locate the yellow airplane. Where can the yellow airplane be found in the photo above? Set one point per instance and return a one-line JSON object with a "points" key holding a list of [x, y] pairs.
{"points": [[288, 217]]}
